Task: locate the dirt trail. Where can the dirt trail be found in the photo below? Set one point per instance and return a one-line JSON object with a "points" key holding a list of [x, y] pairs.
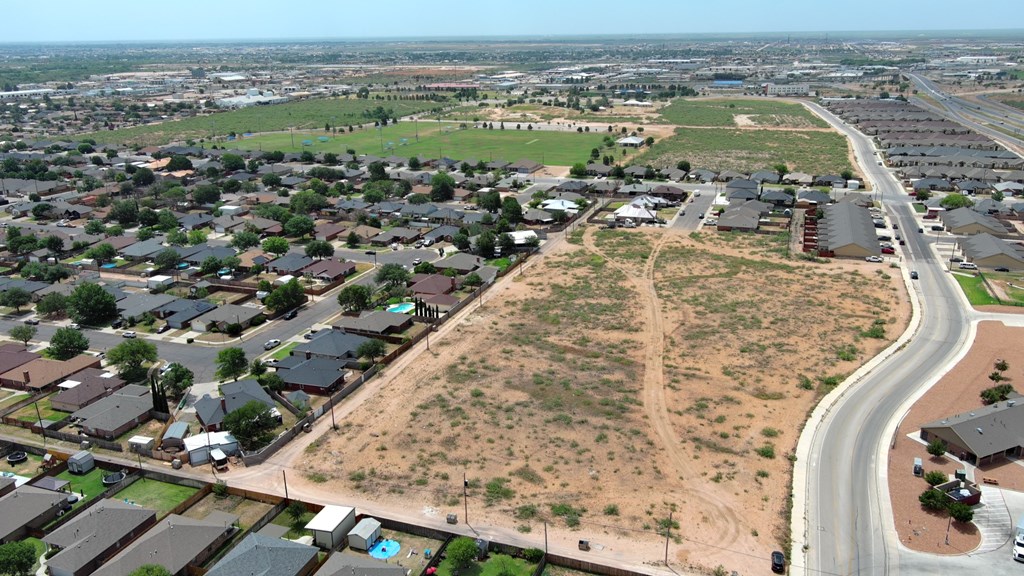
{"points": [[723, 517]]}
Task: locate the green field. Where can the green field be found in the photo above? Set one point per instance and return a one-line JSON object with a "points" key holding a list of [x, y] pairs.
{"points": [[160, 496], [90, 483], [974, 288], [305, 114], [721, 112], [546, 147], [749, 150]]}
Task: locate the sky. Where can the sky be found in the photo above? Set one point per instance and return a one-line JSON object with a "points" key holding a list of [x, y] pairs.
{"points": [[131, 20]]}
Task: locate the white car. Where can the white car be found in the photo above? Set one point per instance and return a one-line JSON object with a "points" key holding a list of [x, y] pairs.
{"points": [[271, 344], [129, 334], [417, 261], [875, 259]]}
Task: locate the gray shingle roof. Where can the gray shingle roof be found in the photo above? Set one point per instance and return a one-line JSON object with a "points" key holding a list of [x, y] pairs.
{"points": [[173, 543], [90, 534], [25, 504], [259, 555], [345, 565], [845, 224], [1001, 428]]}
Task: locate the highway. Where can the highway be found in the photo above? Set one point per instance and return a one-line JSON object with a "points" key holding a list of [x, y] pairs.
{"points": [[848, 522]]}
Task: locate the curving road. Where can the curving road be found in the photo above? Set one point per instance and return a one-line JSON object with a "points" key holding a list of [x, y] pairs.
{"points": [[847, 519], [969, 113]]}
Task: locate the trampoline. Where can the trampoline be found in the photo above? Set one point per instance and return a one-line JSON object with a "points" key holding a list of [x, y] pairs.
{"points": [[111, 479], [384, 549]]}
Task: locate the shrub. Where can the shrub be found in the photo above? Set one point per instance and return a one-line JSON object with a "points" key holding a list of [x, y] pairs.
{"points": [[611, 510], [769, 432], [766, 451], [877, 330], [220, 489], [533, 555], [937, 447], [935, 477], [933, 499], [996, 393], [961, 512]]}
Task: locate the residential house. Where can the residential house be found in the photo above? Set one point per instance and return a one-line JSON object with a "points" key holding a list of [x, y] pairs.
{"points": [[92, 537], [175, 542], [113, 415], [144, 250], [329, 270], [630, 142], [211, 411], [365, 233], [179, 313], [43, 373], [28, 508], [376, 323], [598, 170], [461, 262], [314, 375], [196, 255], [441, 233], [965, 221], [349, 564], [329, 231], [847, 230], [400, 235], [988, 251], [425, 285], [290, 263], [84, 388], [740, 218], [765, 177], [537, 216], [776, 197], [702, 175], [195, 221], [222, 316], [332, 344], [259, 555], [524, 166], [14, 355], [137, 305]]}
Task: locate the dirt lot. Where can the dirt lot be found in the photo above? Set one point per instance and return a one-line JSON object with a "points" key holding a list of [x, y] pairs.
{"points": [[248, 511], [955, 393], [625, 376]]}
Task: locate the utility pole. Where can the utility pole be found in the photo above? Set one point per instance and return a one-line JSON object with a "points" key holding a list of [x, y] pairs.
{"points": [[668, 533], [333, 424], [545, 536], [465, 499], [285, 476], [40, 420]]}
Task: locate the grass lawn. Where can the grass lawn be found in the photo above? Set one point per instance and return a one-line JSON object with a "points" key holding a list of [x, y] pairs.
{"points": [[40, 550], [974, 288], [750, 150], [496, 565], [28, 468], [306, 114], [500, 263], [284, 519], [12, 399], [46, 412], [920, 208], [546, 147], [721, 112], [155, 495], [284, 351], [91, 484]]}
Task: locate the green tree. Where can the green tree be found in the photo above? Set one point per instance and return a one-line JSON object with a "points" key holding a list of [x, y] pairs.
{"points": [[232, 162], [15, 298], [425, 268], [209, 265], [17, 558], [101, 253], [252, 424], [286, 296], [922, 194], [307, 202], [196, 237], [299, 226], [781, 169], [167, 258], [177, 379], [954, 201], [271, 180], [507, 244], [354, 297], [244, 240], [462, 551], [442, 187], [66, 343], [511, 210], [461, 241], [961, 512], [371, 349], [683, 165], [392, 275], [130, 355], [352, 241], [151, 570], [937, 447], [472, 279], [578, 170], [143, 177], [935, 477], [485, 244], [177, 238], [275, 245], [179, 162], [91, 305], [319, 249], [23, 333], [53, 304], [126, 212], [378, 172], [933, 499], [231, 363], [42, 211], [206, 194], [296, 510], [95, 227]]}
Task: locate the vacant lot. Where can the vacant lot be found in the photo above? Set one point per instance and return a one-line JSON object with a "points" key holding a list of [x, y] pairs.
{"points": [[618, 381], [544, 146], [813, 152], [724, 113], [306, 114], [248, 511]]}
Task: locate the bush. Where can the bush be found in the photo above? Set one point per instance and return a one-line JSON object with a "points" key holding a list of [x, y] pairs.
{"points": [[961, 512], [461, 551], [611, 510], [766, 451], [937, 447], [189, 340], [935, 477], [220, 489], [533, 555], [933, 499], [996, 393]]}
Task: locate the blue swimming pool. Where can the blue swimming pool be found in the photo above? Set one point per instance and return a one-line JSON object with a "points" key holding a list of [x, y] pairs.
{"points": [[403, 308], [384, 549]]}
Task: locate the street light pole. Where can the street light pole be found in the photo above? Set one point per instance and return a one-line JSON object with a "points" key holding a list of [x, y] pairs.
{"points": [[465, 499]]}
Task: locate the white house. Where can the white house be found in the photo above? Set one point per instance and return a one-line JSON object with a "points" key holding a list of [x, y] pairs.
{"points": [[331, 525], [630, 141]]}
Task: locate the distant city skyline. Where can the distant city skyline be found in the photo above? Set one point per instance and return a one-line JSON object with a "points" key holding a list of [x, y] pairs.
{"points": [[195, 20]]}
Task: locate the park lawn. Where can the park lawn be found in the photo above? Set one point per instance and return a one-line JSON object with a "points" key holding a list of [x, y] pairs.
{"points": [[750, 150], [722, 112], [305, 114], [495, 565], [91, 484], [974, 288], [155, 495], [444, 140]]}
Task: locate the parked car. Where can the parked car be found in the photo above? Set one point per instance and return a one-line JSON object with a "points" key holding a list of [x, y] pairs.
{"points": [[129, 334], [968, 266], [163, 329], [417, 261], [956, 259], [271, 344], [310, 335], [938, 227], [919, 229], [778, 562], [117, 324], [1002, 269], [888, 250], [913, 274], [32, 322], [700, 216], [875, 259], [895, 226], [271, 362], [291, 314], [74, 326], [166, 368]]}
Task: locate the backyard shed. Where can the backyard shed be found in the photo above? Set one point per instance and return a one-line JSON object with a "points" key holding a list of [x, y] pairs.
{"points": [[364, 534], [81, 462], [199, 446], [141, 443], [331, 525], [175, 435]]}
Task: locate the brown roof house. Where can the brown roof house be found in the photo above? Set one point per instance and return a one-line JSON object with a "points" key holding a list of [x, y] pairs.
{"points": [[90, 538], [85, 388], [424, 285], [14, 355], [329, 270], [174, 543], [43, 373], [375, 323], [26, 508]]}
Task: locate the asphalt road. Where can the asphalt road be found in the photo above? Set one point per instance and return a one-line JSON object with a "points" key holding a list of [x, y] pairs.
{"points": [[969, 114], [694, 208], [845, 517]]}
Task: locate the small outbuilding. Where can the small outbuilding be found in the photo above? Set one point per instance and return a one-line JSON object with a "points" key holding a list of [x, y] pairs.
{"points": [[81, 462], [331, 525], [363, 536]]}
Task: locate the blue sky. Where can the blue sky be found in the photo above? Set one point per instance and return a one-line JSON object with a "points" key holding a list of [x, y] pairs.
{"points": [[101, 20]]}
